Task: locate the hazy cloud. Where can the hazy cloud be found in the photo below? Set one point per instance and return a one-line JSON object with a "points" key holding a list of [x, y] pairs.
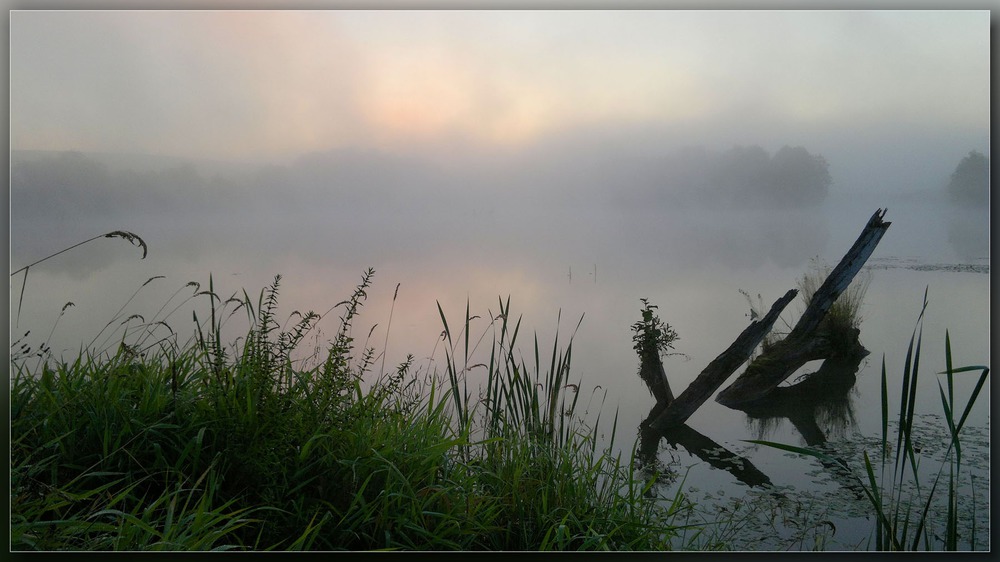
{"points": [[251, 85]]}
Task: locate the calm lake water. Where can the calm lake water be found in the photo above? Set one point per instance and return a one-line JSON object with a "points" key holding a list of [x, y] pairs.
{"points": [[560, 259]]}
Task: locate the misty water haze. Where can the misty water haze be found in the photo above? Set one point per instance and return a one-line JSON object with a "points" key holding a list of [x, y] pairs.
{"points": [[527, 223], [689, 204], [615, 224]]}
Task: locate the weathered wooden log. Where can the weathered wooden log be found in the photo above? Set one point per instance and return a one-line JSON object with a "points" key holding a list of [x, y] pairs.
{"points": [[803, 343], [651, 371], [842, 275], [778, 361], [716, 373]]}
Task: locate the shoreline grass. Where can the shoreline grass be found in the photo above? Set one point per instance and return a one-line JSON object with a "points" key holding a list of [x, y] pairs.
{"points": [[216, 447]]}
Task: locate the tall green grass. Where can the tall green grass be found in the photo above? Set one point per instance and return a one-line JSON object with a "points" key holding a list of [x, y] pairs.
{"points": [[150, 443], [555, 487], [900, 500]]}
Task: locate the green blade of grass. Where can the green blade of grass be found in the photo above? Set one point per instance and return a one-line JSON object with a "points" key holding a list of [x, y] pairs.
{"points": [[885, 415], [950, 420], [948, 370], [985, 371]]}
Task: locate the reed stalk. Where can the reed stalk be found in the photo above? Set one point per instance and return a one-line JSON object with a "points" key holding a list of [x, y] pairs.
{"points": [[900, 501]]}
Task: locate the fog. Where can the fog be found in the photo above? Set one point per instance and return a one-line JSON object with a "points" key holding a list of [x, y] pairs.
{"points": [[576, 227], [599, 194], [521, 223], [576, 161]]}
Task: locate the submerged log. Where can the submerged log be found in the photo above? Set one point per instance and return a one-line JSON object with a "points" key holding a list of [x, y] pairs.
{"points": [[805, 342], [716, 373]]}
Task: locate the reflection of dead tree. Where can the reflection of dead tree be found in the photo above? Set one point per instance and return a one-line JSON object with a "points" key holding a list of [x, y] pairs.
{"points": [[803, 344], [823, 394], [702, 447]]}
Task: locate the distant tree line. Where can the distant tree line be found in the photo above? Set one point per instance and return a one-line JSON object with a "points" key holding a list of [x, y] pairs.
{"points": [[970, 182], [792, 177], [740, 176]]}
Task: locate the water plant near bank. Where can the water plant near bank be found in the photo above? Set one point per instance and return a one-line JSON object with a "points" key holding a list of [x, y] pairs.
{"points": [[900, 497]]}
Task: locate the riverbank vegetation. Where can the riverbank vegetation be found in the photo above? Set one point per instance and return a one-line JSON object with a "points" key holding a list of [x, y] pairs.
{"points": [[213, 446]]}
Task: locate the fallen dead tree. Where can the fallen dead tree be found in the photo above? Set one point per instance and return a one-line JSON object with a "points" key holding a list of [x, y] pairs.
{"points": [[716, 373], [807, 341]]}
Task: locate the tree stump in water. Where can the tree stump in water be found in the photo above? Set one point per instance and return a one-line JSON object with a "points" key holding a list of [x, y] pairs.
{"points": [[651, 371], [807, 341]]}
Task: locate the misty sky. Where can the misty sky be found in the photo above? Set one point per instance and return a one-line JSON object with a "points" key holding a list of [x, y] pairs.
{"points": [[267, 86]]}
